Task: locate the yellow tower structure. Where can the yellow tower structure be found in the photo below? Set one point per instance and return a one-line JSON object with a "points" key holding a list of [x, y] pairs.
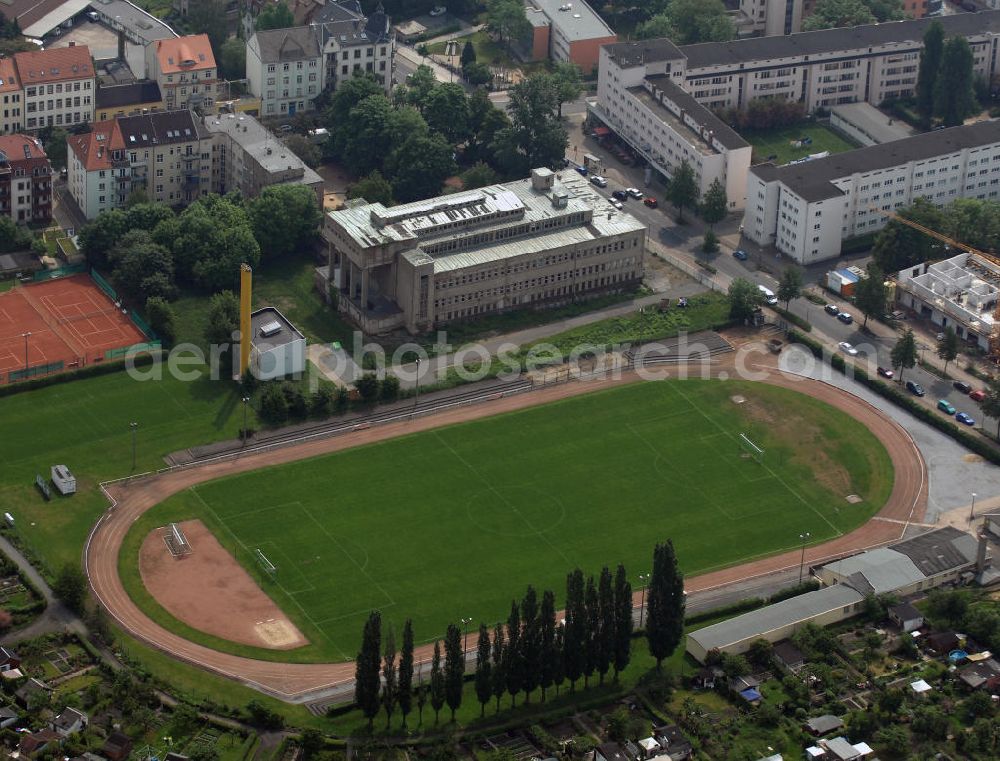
{"points": [[246, 302]]}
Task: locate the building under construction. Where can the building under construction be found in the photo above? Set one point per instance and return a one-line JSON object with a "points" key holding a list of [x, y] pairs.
{"points": [[960, 293]]}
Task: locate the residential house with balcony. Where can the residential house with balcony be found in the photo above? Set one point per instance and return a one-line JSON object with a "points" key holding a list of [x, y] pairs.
{"points": [[185, 70], [25, 180]]}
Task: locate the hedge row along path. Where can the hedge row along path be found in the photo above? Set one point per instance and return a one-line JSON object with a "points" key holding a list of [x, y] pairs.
{"points": [[300, 682]]}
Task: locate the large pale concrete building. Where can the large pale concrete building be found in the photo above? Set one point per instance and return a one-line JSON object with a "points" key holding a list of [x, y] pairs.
{"points": [[819, 69], [807, 209], [543, 241], [666, 125], [771, 17]]}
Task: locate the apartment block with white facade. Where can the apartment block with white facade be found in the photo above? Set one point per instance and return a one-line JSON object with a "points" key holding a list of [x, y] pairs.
{"points": [[288, 68], [807, 209], [667, 126], [770, 17], [538, 242], [58, 86], [821, 69]]}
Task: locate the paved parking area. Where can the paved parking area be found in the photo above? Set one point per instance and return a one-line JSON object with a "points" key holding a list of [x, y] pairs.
{"points": [[103, 42]]}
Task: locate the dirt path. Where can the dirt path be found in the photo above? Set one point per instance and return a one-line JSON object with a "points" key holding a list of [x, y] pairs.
{"points": [[303, 682]]}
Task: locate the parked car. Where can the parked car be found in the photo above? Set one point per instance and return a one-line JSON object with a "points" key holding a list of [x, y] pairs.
{"points": [[832, 309], [886, 372], [634, 193], [741, 254], [438, 10], [914, 388], [977, 395], [599, 181], [92, 15], [945, 406], [962, 386], [581, 169], [620, 195], [650, 202], [965, 419], [617, 204], [845, 318], [847, 348]]}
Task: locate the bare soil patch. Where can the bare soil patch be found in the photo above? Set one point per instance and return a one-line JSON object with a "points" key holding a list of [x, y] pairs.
{"points": [[210, 591]]}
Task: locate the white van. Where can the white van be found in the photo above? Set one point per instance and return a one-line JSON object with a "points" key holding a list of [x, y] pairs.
{"points": [[769, 296]]}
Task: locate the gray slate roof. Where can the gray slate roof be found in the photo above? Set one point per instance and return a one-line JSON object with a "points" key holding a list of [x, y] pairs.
{"points": [[758, 623], [804, 43], [159, 128], [812, 179], [720, 130], [835, 40], [884, 569], [113, 96], [294, 44]]}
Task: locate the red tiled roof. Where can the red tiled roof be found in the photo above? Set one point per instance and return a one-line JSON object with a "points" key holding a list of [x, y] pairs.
{"points": [[93, 149], [21, 147], [190, 53], [54, 65], [8, 75]]}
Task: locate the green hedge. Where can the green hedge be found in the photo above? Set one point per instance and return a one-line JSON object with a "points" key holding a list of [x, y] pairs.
{"points": [[794, 319], [743, 606], [91, 371], [970, 441]]}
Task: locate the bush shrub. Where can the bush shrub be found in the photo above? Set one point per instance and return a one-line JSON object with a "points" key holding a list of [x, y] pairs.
{"points": [[794, 319]]}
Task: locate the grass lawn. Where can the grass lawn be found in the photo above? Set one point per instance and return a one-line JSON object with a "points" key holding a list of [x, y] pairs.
{"points": [[779, 142], [85, 424], [487, 50], [6, 285], [287, 285], [427, 526]]}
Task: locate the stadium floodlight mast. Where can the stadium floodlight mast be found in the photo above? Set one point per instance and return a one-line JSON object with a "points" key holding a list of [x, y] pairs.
{"points": [[644, 578], [26, 336], [972, 510], [133, 426], [465, 641], [802, 560]]}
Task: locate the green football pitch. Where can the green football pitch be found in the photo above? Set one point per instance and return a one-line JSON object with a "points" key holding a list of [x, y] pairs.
{"points": [[453, 523]]}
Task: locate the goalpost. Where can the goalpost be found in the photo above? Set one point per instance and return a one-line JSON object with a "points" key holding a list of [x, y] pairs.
{"points": [[266, 564], [751, 450]]}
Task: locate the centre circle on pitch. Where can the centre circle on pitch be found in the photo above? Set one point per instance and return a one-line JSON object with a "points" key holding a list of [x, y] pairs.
{"points": [[515, 511]]}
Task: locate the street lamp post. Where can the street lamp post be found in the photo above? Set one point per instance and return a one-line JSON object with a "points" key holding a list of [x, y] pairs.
{"points": [[972, 511], [246, 403], [26, 336], [416, 395], [802, 560], [465, 642], [644, 578], [133, 426]]}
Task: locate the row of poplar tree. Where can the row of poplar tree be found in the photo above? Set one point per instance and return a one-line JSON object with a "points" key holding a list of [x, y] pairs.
{"points": [[532, 650]]}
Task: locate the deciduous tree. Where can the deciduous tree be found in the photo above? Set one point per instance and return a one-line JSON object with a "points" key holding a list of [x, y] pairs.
{"points": [[374, 189], [714, 204], [790, 285], [514, 656], [274, 16], [930, 62], [744, 300], [954, 98], [390, 690], [948, 346], [499, 664], [904, 353], [437, 691], [531, 642], [285, 219], [575, 628], [871, 293], [682, 191], [623, 621]]}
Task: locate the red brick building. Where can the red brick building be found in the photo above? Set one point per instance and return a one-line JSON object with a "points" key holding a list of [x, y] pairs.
{"points": [[25, 179]]}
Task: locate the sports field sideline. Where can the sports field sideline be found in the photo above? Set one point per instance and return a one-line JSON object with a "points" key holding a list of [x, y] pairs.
{"points": [[454, 523]]}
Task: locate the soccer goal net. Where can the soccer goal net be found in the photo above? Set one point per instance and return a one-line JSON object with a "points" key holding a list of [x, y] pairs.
{"points": [[750, 450], [266, 564]]}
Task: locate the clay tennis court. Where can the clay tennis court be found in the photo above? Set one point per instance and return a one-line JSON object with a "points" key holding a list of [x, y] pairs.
{"points": [[68, 320]]}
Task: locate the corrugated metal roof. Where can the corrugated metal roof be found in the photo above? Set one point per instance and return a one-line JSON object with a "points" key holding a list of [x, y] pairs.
{"points": [[884, 569], [757, 623]]}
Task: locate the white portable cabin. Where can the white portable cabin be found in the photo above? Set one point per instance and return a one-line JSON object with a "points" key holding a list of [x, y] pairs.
{"points": [[64, 481]]}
